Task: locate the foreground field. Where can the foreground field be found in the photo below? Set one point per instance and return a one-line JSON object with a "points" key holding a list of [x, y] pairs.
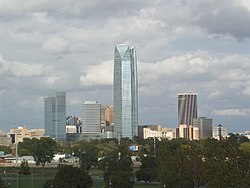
{"points": [[39, 176]]}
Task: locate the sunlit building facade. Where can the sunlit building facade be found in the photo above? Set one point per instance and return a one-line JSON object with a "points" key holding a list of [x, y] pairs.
{"points": [[125, 91]]}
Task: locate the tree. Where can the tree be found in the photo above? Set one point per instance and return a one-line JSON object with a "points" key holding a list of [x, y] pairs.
{"points": [[147, 170], [118, 169], [24, 168], [42, 149], [87, 153], [180, 163], [227, 165], [73, 177], [5, 149]]}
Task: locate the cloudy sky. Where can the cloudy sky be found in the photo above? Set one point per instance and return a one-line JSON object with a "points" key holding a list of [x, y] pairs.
{"points": [[182, 46]]}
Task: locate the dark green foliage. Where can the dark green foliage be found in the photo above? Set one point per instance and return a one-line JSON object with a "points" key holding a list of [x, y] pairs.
{"points": [[183, 163], [121, 179], [6, 149], [147, 170], [24, 168], [42, 150], [117, 167], [179, 164], [73, 177], [87, 153], [226, 164]]}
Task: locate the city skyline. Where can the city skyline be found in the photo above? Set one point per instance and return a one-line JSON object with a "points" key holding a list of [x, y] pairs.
{"points": [[68, 46]]}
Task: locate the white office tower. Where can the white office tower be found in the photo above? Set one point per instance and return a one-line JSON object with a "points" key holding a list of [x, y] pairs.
{"points": [[91, 119]]}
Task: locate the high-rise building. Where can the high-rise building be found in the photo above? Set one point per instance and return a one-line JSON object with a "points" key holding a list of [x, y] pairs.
{"points": [[55, 116], [109, 115], [205, 126], [187, 108], [125, 91], [91, 119]]}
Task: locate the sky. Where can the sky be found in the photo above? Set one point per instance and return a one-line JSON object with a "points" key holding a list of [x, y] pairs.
{"points": [[182, 46]]}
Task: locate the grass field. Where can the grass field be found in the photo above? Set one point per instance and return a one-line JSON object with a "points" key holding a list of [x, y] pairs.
{"points": [[39, 176]]}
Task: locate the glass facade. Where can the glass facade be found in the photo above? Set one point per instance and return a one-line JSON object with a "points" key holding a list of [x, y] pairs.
{"points": [[125, 91], [55, 116]]}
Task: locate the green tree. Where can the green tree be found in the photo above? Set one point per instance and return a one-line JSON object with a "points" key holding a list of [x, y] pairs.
{"points": [[180, 164], [87, 153], [147, 170], [24, 168], [117, 166], [226, 164], [6, 149], [73, 177], [42, 149]]}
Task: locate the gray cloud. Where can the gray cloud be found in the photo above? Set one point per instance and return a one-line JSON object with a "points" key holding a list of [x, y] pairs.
{"points": [[181, 46]]}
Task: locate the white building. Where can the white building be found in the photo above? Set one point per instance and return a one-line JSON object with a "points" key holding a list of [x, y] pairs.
{"points": [[220, 132]]}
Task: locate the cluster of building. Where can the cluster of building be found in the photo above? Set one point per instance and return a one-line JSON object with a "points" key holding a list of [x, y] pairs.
{"points": [[120, 119]]}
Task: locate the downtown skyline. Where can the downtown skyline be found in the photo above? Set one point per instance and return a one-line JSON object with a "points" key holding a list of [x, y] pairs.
{"points": [[68, 46]]}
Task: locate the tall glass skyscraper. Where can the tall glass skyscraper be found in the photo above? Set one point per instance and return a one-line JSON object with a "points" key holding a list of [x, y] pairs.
{"points": [[187, 108], [55, 116], [125, 91]]}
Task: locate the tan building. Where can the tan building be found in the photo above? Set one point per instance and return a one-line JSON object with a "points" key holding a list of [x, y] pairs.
{"points": [[4, 139], [156, 131], [18, 134], [188, 132], [109, 115]]}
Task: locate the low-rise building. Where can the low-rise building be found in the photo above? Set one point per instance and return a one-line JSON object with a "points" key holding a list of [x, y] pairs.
{"points": [[18, 134]]}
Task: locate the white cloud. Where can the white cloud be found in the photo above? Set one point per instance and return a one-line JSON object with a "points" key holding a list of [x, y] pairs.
{"points": [[232, 112], [55, 44], [19, 69], [100, 74]]}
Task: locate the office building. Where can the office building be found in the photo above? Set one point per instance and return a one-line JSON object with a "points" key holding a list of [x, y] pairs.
{"points": [[220, 132], [109, 115], [187, 108], [91, 120], [156, 131], [55, 116], [205, 126], [18, 134], [125, 92]]}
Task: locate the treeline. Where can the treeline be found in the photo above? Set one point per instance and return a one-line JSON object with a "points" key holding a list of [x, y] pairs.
{"points": [[175, 163]]}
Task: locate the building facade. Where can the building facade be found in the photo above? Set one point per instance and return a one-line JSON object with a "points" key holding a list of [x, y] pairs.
{"points": [[55, 116], [125, 91], [91, 119], [205, 126], [220, 132], [18, 134], [187, 108]]}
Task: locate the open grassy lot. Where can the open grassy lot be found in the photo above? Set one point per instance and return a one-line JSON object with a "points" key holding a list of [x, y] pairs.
{"points": [[39, 176]]}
